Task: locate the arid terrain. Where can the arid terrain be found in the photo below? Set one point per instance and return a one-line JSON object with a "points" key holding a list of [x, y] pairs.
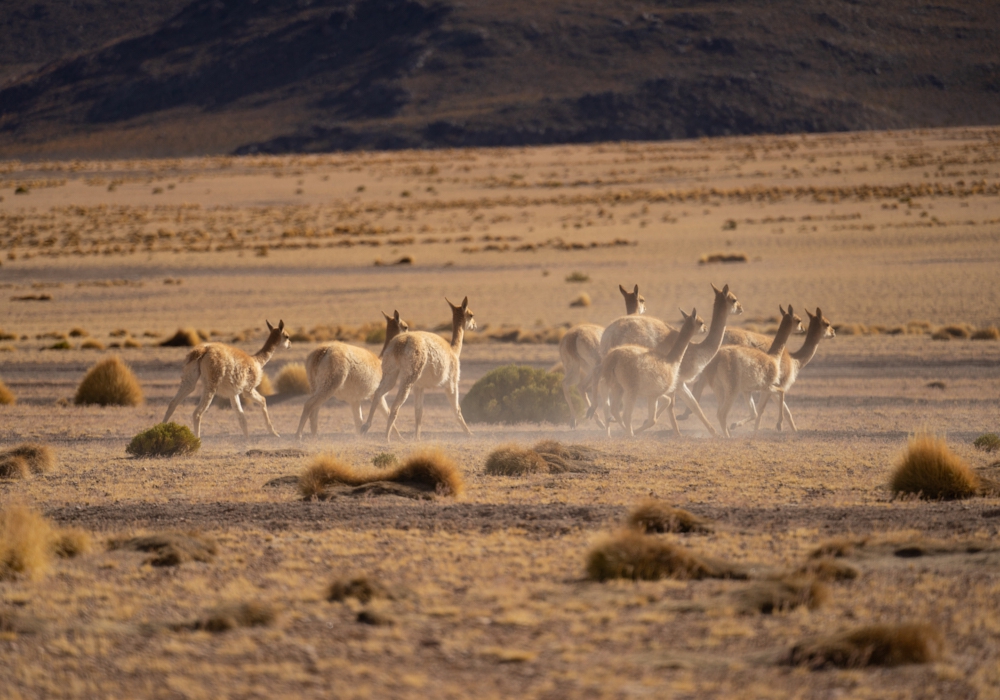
{"points": [[894, 235]]}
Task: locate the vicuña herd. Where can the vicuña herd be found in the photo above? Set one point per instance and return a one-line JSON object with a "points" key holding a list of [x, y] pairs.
{"points": [[635, 357]]}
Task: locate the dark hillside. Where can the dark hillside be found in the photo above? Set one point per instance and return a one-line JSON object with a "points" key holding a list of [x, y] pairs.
{"points": [[293, 75]]}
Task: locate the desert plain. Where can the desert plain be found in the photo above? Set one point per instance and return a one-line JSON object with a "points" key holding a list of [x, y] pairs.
{"points": [[894, 235]]}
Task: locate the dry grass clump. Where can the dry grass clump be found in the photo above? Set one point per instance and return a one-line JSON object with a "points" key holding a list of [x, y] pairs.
{"points": [[828, 569], [109, 383], [293, 380], [577, 277], [170, 548], [633, 555], [230, 617], [7, 397], [511, 460], [581, 301], [265, 388], [14, 467], [361, 588], [91, 344], [656, 516], [989, 333], [840, 547], [39, 458], [25, 542], [164, 440], [71, 542], [183, 338], [931, 470], [782, 595], [987, 442], [428, 470], [710, 258], [874, 645]]}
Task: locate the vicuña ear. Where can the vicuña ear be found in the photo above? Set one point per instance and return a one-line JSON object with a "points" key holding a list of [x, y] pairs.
{"points": [[281, 325], [818, 312], [450, 304], [269, 326], [465, 303], [725, 290], [783, 312], [790, 312], [622, 290], [716, 289], [636, 290], [386, 316], [809, 314], [395, 315], [686, 317]]}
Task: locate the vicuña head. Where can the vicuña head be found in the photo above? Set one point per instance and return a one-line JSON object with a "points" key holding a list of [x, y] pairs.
{"points": [[634, 302], [821, 321], [462, 316], [394, 325], [277, 336], [735, 308]]}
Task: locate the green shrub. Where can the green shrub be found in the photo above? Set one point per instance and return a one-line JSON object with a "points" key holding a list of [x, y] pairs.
{"points": [[384, 460], [164, 440], [518, 394], [577, 277], [987, 442], [109, 383]]}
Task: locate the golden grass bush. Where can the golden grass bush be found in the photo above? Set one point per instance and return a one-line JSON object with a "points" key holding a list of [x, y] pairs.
{"points": [[581, 301], [71, 542], [91, 344], [78, 333], [7, 397], [932, 471], [433, 468], [169, 548], [233, 616], [292, 380], [828, 569], [38, 458], [326, 470], [989, 333], [183, 338], [987, 442], [633, 555], [14, 467], [517, 394], [836, 548], [25, 542], [164, 440], [361, 588], [873, 645], [782, 595], [653, 516], [110, 382], [426, 470], [511, 460], [265, 387], [712, 258]]}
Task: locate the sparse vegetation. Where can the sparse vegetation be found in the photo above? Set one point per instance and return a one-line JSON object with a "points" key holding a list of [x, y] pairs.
{"points": [[164, 440], [326, 470], [874, 645], [109, 383], [13, 467], [233, 616], [293, 380], [933, 471], [7, 397], [170, 548], [652, 516], [989, 333], [827, 569], [987, 442], [633, 555], [517, 394], [782, 595]]}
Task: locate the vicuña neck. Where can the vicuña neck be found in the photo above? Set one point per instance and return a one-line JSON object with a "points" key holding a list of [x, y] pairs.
{"points": [[720, 314], [457, 335], [676, 352], [784, 331], [266, 352], [808, 349]]}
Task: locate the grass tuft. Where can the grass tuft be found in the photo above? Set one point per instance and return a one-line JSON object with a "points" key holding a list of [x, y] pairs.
{"points": [[39, 458], [25, 542], [292, 380], [577, 277], [990, 333], [581, 301], [711, 258], [14, 467], [424, 470], [874, 645], [234, 616], [782, 595], [164, 440], [109, 383], [326, 470], [828, 569], [511, 460], [517, 394], [170, 548], [183, 338], [384, 460], [91, 344], [652, 516], [632, 555], [987, 442], [7, 397], [836, 548], [361, 588], [71, 542], [431, 467], [930, 469]]}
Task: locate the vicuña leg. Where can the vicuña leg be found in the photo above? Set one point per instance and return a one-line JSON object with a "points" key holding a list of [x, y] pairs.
{"points": [[692, 407], [401, 396], [384, 387], [199, 410], [418, 408], [259, 399], [189, 380], [457, 408], [238, 410]]}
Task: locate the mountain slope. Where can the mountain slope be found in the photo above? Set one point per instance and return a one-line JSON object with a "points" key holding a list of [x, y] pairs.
{"points": [[298, 75]]}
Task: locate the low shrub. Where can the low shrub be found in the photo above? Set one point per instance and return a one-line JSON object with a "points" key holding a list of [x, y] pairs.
{"points": [[361, 588], [183, 338], [828, 569], [633, 555], [164, 440], [170, 548], [7, 397], [656, 516], [710, 258], [293, 380], [14, 467], [384, 460], [230, 617], [577, 277], [424, 470], [990, 333], [955, 331], [37, 457], [326, 470], [109, 383], [25, 542], [518, 394], [987, 442], [930, 469], [581, 301], [91, 344], [874, 645], [511, 460], [430, 467], [782, 595], [71, 542]]}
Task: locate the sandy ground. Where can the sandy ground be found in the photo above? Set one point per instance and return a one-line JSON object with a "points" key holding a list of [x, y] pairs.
{"points": [[876, 229]]}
